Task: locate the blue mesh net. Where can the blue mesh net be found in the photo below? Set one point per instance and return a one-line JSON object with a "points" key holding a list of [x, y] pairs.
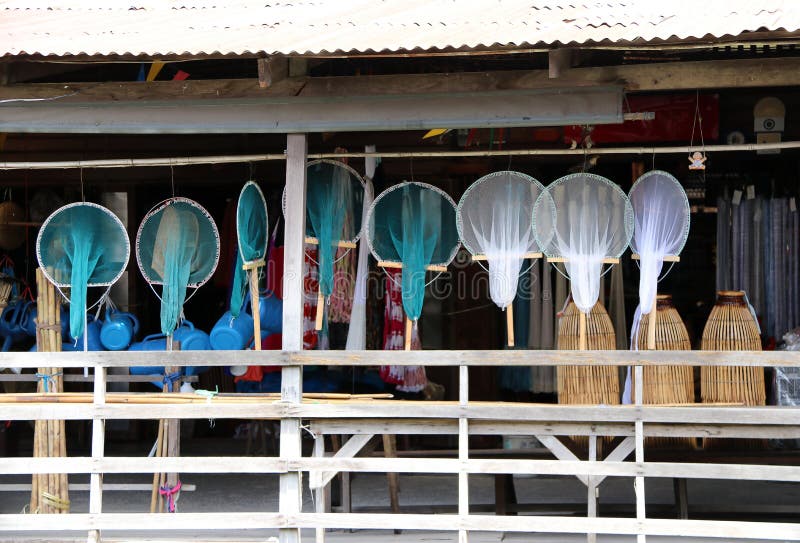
{"points": [[251, 232], [177, 247], [79, 246], [413, 224], [333, 204]]}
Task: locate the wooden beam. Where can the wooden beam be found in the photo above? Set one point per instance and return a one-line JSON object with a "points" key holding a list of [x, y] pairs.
{"points": [[272, 70], [559, 61], [672, 76]]}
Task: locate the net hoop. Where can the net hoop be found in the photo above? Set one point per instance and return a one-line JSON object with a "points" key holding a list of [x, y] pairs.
{"points": [[157, 208], [53, 215], [238, 229]]}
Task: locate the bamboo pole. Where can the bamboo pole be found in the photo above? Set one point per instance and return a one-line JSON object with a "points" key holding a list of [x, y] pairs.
{"points": [[233, 159], [255, 306], [407, 335], [510, 323]]}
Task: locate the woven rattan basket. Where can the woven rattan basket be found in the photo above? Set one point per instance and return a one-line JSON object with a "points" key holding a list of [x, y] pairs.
{"points": [[731, 327], [587, 384], [667, 384]]}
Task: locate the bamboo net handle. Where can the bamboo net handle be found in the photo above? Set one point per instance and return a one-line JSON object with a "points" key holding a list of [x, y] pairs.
{"points": [[510, 323], [346, 244], [407, 336], [667, 258]]}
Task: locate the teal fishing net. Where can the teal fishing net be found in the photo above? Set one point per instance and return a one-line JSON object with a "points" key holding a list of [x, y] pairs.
{"points": [[413, 224], [177, 247], [333, 206], [82, 245], [251, 233]]}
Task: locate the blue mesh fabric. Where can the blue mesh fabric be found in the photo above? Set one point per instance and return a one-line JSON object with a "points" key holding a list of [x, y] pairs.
{"points": [[177, 247], [251, 231], [79, 246], [413, 224], [333, 205]]}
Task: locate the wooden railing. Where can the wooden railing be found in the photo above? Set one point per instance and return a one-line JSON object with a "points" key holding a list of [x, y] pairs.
{"points": [[462, 418]]}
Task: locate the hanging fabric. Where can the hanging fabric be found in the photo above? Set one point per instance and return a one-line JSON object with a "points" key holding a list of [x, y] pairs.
{"points": [[82, 245], [357, 332]]}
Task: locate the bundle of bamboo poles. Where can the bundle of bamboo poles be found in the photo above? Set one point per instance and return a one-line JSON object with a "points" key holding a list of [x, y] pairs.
{"points": [[731, 326], [166, 486], [673, 385], [49, 492], [587, 384], [5, 294]]}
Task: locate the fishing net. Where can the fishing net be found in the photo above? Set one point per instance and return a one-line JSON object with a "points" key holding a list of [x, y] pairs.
{"points": [[334, 199], [584, 219], [251, 233], [82, 245], [177, 247], [493, 220], [661, 227], [413, 225]]}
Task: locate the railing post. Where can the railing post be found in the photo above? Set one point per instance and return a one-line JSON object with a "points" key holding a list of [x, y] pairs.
{"points": [[463, 451], [98, 449], [641, 513], [291, 492]]}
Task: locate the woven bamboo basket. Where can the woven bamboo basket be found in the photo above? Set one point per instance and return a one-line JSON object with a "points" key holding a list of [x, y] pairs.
{"points": [[731, 327], [667, 384], [587, 384]]}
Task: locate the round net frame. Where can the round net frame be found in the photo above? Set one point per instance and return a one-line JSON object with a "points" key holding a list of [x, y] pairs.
{"points": [[480, 197], [52, 222], [441, 256], [88, 235], [672, 236], [197, 278], [549, 214], [249, 217]]}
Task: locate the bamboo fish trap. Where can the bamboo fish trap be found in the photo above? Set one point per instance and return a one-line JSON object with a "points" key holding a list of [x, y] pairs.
{"points": [[667, 384], [587, 384], [731, 327]]}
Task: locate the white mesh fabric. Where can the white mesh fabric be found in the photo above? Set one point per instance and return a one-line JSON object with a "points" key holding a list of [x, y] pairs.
{"points": [[661, 226], [583, 218], [493, 220]]}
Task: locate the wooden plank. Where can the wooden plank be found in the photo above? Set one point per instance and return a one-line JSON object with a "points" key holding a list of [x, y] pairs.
{"points": [[291, 491], [561, 452], [402, 358], [667, 258], [559, 61], [271, 70], [619, 454], [543, 524], [320, 494], [107, 487], [349, 450], [592, 490]]}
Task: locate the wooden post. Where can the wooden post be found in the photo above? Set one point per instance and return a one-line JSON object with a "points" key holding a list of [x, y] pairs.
{"points": [[463, 451], [255, 306], [639, 437], [320, 310], [320, 495], [510, 323], [98, 450], [291, 492], [581, 330], [407, 335], [592, 487]]}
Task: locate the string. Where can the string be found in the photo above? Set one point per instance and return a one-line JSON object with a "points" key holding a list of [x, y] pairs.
{"points": [[83, 197], [172, 178]]}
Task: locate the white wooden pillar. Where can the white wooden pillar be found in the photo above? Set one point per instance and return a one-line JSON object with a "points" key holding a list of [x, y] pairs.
{"points": [[291, 490], [463, 451], [641, 513], [98, 451]]}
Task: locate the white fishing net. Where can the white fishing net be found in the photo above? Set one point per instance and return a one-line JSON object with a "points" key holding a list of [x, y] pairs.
{"points": [[493, 220], [661, 227], [584, 219]]}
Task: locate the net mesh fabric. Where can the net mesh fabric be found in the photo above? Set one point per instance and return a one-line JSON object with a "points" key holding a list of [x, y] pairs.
{"points": [[333, 202], [251, 233], [177, 246], [583, 218], [661, 227], [413, 224], [493, 220], [82, 245]]}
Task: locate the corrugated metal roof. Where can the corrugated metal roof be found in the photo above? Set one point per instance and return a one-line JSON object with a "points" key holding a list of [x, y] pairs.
{"points": [[197, 27]]}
